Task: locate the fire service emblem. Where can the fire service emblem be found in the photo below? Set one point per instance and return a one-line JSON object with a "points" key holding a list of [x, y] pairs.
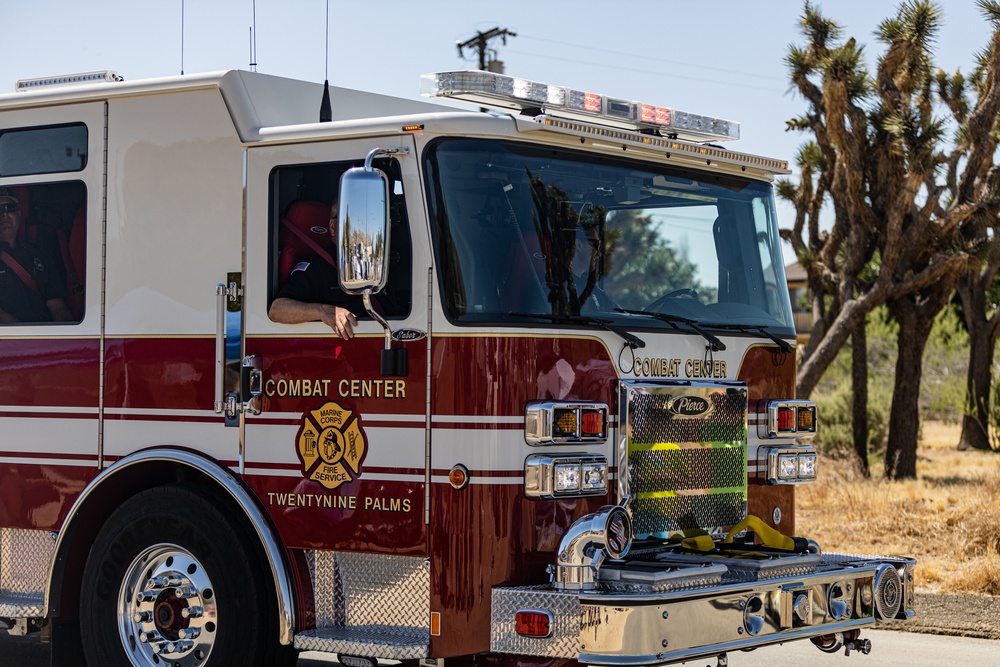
{"points": [[331, 445]]}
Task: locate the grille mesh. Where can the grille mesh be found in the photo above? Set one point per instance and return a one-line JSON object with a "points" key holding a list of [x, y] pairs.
{"points": [[685, 472]]}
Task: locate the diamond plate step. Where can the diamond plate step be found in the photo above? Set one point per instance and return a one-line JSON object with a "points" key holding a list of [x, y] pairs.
{"points": [[16, 605], [375, 641]]}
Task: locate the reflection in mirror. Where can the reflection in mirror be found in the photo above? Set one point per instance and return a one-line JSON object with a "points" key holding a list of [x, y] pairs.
{"points": [[363, 230]]}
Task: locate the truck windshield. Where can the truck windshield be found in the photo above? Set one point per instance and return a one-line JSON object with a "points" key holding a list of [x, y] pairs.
{"points": [[524, 229]]}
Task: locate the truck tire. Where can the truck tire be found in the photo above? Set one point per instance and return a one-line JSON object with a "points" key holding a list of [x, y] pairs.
{"points": [[173, 581]]}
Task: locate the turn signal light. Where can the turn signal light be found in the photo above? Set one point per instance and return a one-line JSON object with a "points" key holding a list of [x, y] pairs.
{"points": [[788, 419], [533, 623], [592, 423], [563, 422]]}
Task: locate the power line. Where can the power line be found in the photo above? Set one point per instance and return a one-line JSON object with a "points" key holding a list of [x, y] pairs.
{"points": [[724, 70], [661, 73]]}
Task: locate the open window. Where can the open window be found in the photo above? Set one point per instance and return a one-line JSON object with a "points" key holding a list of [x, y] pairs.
{"points": [[300, 204], [43, 231]]}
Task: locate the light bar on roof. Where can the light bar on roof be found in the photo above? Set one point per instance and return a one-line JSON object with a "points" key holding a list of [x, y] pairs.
{"points": [[67, 80], [507, 92]]}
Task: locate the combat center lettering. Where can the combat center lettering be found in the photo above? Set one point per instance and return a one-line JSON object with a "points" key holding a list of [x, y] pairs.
{"points": [[671, 368], [306, 388]]}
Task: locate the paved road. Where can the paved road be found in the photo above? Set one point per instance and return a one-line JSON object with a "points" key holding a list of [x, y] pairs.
{"points": [[889, 649]]}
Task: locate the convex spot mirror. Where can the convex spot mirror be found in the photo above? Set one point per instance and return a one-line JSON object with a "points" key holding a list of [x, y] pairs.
{"points": [[363, 230]]}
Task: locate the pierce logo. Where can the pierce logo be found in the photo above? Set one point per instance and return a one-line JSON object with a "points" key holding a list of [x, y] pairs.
{"points": [[331, 445], [689, 406]]}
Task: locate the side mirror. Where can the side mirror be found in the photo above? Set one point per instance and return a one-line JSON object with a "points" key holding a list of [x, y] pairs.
{"points": [[363, 230], [363, 246]]}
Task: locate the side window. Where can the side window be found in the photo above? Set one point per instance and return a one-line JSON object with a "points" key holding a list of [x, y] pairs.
{"points": [[302, 252], [42, 252], [43, 150]]}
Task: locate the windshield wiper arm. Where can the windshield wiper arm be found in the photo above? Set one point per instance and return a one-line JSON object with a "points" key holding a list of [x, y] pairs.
{"points": [[716, 344], [752, 328], [630, 339]]}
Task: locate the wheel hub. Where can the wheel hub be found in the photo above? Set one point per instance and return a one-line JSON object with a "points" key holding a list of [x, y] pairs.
{"points": [[167, 610]]}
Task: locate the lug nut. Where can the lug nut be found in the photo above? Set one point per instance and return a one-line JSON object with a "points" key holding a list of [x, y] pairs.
{"points": [[160, 647], [185, 592], [148, 637], [145, 596], [192, 612], [181, 646], [163, 582], [142, 617], [189, 633]]}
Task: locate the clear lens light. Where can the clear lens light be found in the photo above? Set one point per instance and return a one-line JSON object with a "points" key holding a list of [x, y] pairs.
{"points": [[787, 466], [807, 465], [567, 477], [594, 477]]}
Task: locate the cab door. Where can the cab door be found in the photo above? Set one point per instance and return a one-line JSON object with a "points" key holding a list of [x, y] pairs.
{"points": [[51, 185], [337, 451]]}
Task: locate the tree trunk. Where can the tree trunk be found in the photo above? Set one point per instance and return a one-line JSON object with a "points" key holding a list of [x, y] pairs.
{"points": [[915, 314], [859, 382], [979, 378], [814, 365], [904, 418]]}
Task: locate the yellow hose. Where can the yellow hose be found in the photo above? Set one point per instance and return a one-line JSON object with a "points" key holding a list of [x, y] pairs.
{"points": [[768, 536]]}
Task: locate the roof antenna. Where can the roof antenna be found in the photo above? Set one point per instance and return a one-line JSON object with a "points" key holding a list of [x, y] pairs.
{"points": [[182, 37], [253, 40], [325, 108]]}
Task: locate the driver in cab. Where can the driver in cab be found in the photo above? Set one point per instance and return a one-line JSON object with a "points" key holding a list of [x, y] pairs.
{"points": [[312, 293]]}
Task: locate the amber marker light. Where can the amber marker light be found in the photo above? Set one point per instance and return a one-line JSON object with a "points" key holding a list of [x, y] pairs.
{"points": [[459, 476], [413, 128]]}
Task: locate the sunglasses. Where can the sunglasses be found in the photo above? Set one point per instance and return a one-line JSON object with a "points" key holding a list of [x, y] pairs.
{"points": [[9, 207]]}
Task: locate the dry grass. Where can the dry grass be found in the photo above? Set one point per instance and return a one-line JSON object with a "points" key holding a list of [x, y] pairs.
{"points": [[948, 518]]}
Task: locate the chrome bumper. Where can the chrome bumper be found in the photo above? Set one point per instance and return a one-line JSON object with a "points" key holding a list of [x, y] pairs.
{"points": [[682, 619]]}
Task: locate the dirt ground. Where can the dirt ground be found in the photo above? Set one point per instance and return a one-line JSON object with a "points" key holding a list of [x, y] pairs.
{"points": [[959, 615]]}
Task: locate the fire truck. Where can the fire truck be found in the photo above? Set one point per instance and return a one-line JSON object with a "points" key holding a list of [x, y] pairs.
{"points": [[564, 429]]}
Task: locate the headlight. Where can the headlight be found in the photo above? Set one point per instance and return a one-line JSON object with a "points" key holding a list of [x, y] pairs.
{"points": [[565, 476], [791, 465]]}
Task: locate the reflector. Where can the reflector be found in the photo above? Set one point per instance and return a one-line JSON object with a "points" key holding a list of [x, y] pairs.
{"points": [[533, 623]]}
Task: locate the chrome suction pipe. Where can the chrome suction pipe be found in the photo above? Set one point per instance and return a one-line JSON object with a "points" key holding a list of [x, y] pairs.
{"points": [[605, 533]]}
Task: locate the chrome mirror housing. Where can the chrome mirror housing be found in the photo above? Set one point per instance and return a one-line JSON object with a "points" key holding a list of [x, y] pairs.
{"points": [[363, 229]]}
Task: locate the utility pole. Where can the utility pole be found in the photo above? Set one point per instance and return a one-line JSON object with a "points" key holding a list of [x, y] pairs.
{"points": [[481, 43]]}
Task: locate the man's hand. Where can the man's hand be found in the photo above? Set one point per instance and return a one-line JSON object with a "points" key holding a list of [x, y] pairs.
{"points": [[341, 320]]}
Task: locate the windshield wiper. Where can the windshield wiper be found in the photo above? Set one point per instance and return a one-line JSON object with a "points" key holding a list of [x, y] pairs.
{"points": [[630, 339], [754, 328], [716, 344]]}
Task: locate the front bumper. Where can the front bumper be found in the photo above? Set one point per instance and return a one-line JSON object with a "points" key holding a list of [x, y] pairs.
{"points": [[658, 613]]}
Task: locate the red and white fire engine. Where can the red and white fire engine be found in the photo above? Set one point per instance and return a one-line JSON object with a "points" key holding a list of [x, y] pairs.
{"points": [[565, 429]]}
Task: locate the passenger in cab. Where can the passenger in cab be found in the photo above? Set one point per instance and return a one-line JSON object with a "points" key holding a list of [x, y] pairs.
{"points": [[30, 288], [312, 293]]}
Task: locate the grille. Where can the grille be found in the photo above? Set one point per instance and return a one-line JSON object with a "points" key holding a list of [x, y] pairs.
{"points": [[685, 467]]}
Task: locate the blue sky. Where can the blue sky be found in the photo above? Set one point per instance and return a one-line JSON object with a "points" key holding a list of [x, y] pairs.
{"points": [[716, 57]]}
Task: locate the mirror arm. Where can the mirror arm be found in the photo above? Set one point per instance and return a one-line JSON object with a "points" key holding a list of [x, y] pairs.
{"points": [[402, 150], [367, 298]]}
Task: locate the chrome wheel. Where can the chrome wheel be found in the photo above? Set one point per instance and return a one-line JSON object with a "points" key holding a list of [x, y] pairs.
{"points": [[167, 609]]}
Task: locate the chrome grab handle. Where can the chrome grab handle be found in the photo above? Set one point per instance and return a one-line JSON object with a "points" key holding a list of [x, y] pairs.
{"points": [[220, 347], [251, 384]]}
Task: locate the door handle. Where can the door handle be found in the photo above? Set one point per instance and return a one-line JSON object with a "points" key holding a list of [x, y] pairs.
{"points": [[251, 384]]}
